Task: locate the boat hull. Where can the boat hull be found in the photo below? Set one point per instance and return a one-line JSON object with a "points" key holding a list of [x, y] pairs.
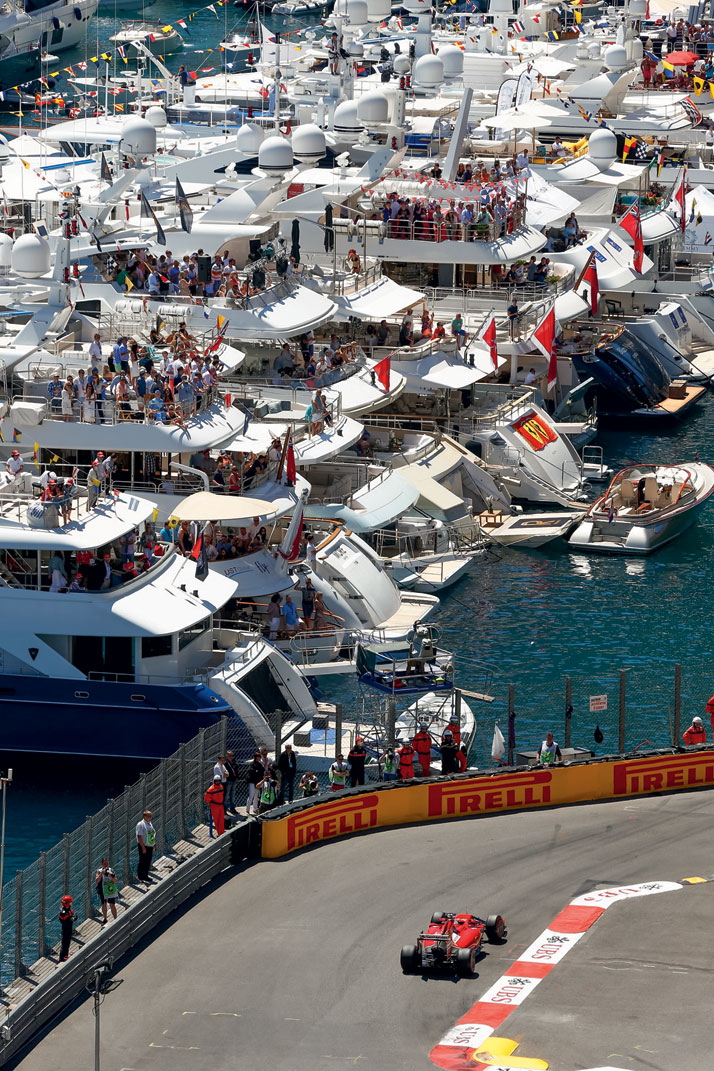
{"points": [[104, 718], [643, 539]]}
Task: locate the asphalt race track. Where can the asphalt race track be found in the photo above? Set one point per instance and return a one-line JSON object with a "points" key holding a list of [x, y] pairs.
{"points": [[295, 964]]}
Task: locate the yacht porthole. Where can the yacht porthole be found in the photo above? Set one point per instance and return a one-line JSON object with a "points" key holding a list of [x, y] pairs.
{"points": [[138, 699], [81, 695]]}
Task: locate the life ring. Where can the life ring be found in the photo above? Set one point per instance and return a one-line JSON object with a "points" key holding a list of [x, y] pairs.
{"points": [[75, 113]]}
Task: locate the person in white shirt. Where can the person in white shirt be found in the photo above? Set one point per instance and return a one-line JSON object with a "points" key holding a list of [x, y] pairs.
{"points": [[146, 841], [15, 464], [95, 352], [530, 378], [310, 552], [219, 770]]}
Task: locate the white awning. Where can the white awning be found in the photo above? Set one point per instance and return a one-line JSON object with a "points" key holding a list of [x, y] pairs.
{"points": [[445, 370], [205, 506], [379, 301]]}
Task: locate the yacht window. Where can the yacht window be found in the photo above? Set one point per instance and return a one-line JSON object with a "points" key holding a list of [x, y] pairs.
{"points": [[190, 634], [155, 646], [81, 695], [138, 699]]}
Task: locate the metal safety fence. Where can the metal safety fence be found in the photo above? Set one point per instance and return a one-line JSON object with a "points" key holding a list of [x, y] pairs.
{"points": [[173, 791], [616, 711]]}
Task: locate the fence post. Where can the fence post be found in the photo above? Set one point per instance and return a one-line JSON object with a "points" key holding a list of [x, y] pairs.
{"points": [[623, 705], [391, 722], [224, 735], [111, 829], [677, 703], [201, 757], [65, 863], [338, 728], [511, 722], [142, 779], [127, 836], [19, 968], [88, 866], [41, 905], [278, 733], [182, 791], [568, 709], [164, 807]]}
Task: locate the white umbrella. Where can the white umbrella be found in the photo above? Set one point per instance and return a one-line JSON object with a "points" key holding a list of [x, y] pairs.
{"points": [[513, 119]]}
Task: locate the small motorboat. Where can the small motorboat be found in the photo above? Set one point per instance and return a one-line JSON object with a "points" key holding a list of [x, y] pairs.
{"points": [[296, 8], [160, 39], [644, 507], [529, 530]]}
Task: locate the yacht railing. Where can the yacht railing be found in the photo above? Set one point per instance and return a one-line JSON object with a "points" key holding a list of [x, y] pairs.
{"points": [[113, 411], [429, 231]]}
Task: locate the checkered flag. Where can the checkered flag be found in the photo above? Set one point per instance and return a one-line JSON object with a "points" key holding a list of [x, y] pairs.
{"points": [[640, 152]]}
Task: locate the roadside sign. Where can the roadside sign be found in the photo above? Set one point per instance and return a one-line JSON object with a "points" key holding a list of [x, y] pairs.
{"points": [[598, 702]]}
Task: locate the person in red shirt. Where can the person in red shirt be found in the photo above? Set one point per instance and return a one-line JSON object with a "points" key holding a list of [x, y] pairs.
{"points": [[406, 754], [214, 798], [696, 733], [422, 746]]}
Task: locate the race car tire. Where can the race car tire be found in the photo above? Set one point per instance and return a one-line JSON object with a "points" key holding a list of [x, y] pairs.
{"points": [[437, 917], [495, 928], [409, 959], [465, 961]]}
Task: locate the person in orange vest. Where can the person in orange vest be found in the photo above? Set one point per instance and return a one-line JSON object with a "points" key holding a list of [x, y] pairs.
{"points": [[214, 798], [696, 733], [710, 711], [406, 754], [422, 746], [462, 759], [454, 727]]}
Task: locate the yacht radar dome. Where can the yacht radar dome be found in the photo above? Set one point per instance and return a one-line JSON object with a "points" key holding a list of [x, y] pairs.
{"points": [[417, 7], [602, 148], [637, 9], [379, 10], [30, 256], [5, 153], [5, 251], [373, 108], [615, 58], [428, 72], [308, 143], [156, 116], [249, 138], [346, 119], [138, 137], [402, 64], [593, 50], [453, 59], [355, 11], [275, 156]]}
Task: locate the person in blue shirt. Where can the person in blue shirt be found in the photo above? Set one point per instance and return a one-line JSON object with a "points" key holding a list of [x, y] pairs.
{"points": [[141, 391], [156, 408], [54, 393], [185, 395], [292, 621], [168, 533]]}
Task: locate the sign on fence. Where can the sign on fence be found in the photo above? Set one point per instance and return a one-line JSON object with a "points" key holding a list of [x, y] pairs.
{"points": [[598, 702]]}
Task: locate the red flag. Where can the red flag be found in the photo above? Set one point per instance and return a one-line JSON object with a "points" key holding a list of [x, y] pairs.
{"points": [[544, 338], [680, 196], [228, 400], [590, 277], [382, 370], [290, 462], [489, 337], [196, 551], [631, 223]]}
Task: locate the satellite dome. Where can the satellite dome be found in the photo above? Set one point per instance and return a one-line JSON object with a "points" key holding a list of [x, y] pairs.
{"points": [[309, 143], [5, 250], [356, 11], [417, 7], [428, 72], [615, 58], [355, 49], [249, 138], [138, 137], [275, 156], [346, 119], [453, 59], [5, 153], [156, 116], [401, 64], [593, 50], [378, 10], [637, 8], [373, 108], [30, 256], [602, 148]]}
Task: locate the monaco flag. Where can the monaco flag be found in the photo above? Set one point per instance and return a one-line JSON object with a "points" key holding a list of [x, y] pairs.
{"points": [[488, 335], [590, 279], [631, 223], [544, 338], [382, 371]]}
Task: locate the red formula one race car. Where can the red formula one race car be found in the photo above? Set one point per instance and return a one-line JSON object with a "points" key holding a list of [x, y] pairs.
{"points": [[452, 941]]}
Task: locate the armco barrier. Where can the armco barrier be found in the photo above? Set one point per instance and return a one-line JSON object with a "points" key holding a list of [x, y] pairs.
{"points": [[396, 803], [52, 995]]}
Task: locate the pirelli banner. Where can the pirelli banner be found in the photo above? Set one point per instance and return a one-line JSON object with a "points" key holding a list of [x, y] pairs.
{"points": [[469, 797]]}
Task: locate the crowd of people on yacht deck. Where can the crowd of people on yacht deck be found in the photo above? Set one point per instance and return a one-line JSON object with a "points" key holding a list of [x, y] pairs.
{"points": [[130, 381], [165, 275], [491, 213]]}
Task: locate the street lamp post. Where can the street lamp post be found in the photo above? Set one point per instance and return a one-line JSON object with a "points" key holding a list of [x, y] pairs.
{"points": [[5, 781], [99, 984]]}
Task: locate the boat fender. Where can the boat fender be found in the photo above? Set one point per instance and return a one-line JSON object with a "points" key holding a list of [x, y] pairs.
{"points": [[77, 14]]}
